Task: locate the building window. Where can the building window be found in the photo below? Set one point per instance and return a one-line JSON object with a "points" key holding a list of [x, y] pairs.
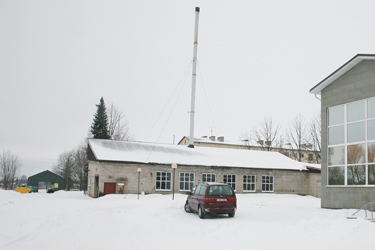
{"points": [[163, 181], [351, 143], [311, 157], [249, 182], [230, 179], [295, 155], [267, 183], [208, 177], [302, 155], [186, 181]]}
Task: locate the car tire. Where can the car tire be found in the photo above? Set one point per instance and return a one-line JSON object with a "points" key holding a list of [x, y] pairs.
{"points": [[187, 208], [231, 214], [201, 214]]}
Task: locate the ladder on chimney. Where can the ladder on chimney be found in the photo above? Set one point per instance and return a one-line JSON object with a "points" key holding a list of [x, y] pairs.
{"points": [[371, 205]]}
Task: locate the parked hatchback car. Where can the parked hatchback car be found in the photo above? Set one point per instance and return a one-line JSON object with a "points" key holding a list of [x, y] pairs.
{"points": [[211, 198]]}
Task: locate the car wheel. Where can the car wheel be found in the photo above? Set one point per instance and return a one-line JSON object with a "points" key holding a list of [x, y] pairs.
{"points": [[187, 208], [201, 214], [231, 214]]}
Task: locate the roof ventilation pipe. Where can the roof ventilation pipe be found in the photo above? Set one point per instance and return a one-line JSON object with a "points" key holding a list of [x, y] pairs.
{"points": [[194, 75]]}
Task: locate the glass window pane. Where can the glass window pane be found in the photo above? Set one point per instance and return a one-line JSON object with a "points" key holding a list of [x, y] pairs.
{"points": [[371, 152], [371, 130], [371, 108], [196, 192], [202, 190], [356, 132], [357, 175], [336, 135], [356, 154], [336, 175], [336, 155], [371, 174], [356, 111], [335, 115]]}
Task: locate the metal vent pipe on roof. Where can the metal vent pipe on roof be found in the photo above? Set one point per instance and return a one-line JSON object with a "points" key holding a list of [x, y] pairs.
{"points": [[194, 74]]}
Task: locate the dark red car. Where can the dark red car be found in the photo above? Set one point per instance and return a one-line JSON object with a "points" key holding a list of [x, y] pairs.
{"points": [[211, 198]]}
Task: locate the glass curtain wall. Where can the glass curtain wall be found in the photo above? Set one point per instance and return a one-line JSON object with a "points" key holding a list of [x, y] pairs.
{"points": [[351, 143]]}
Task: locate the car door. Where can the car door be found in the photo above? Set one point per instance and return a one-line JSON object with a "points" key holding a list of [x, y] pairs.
{"points": [[193, 202]]}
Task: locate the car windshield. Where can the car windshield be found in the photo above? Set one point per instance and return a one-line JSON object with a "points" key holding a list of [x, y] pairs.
{"points": [[220, 190]]}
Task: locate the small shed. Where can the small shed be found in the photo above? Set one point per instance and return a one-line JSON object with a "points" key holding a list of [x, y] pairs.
{"points": [[46, 179]]}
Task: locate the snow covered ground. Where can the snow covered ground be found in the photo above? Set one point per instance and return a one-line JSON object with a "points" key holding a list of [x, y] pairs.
{"points": [[71, 220]]}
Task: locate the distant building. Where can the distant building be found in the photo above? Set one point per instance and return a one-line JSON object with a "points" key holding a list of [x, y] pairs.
{"points": [[307, 155], [46, 180], [113, 165], [348, 134]]}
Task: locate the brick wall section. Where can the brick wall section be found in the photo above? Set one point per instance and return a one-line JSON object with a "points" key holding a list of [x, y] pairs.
{"points": [[356, 84], [285, 181]]}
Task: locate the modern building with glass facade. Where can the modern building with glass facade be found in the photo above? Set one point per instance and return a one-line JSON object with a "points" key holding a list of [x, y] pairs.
{"points": [[348, 134]]}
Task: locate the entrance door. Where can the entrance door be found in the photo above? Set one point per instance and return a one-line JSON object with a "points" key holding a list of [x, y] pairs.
{"points": [[109, 188], [96, 187]]}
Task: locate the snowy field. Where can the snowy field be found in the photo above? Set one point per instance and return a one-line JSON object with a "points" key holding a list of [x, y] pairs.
{"points": [[71, 220]]}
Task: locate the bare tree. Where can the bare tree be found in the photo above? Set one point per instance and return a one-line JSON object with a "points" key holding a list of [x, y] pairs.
{"points": [[264, 136], [247, 138], [118, 125], [296, 134], [80, 163], [9, 166], [65, 167], [316, 135]]}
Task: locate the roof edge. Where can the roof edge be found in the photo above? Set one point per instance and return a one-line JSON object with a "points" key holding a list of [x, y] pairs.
{"points": [[340, 71]]}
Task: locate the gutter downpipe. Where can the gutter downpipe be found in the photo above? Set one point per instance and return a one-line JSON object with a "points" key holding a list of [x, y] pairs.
{"points": [[316, 96], [194, 74]]}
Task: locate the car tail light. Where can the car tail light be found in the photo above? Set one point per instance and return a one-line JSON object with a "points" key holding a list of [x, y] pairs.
{"points": [[209, 200], [232, 200]]}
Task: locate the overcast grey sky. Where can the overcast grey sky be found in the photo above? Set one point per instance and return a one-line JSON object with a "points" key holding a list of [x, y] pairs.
{"points": [[256, 59]]}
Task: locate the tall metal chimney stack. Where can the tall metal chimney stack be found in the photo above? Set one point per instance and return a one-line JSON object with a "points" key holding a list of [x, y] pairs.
{"points": [[194, 75]]}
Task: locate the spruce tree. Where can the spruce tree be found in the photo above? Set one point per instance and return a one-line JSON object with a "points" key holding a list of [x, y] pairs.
{"points": [[99, 127]]}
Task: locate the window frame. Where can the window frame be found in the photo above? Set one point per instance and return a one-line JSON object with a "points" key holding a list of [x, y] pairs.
{"points": [[192, 182], [211, 174], [231, 183], [166, 181], [269, 184], [249, 183]]}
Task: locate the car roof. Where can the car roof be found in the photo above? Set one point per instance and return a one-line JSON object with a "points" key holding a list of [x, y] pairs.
{"points": [[213, 184]]}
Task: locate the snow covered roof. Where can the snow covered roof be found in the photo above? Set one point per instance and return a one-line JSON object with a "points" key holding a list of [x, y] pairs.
{"points": [[142, 152], [340, 71], [214, 141]]}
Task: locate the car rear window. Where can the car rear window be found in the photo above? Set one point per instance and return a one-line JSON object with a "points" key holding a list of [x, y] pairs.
{"points": [[220, 190]]}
